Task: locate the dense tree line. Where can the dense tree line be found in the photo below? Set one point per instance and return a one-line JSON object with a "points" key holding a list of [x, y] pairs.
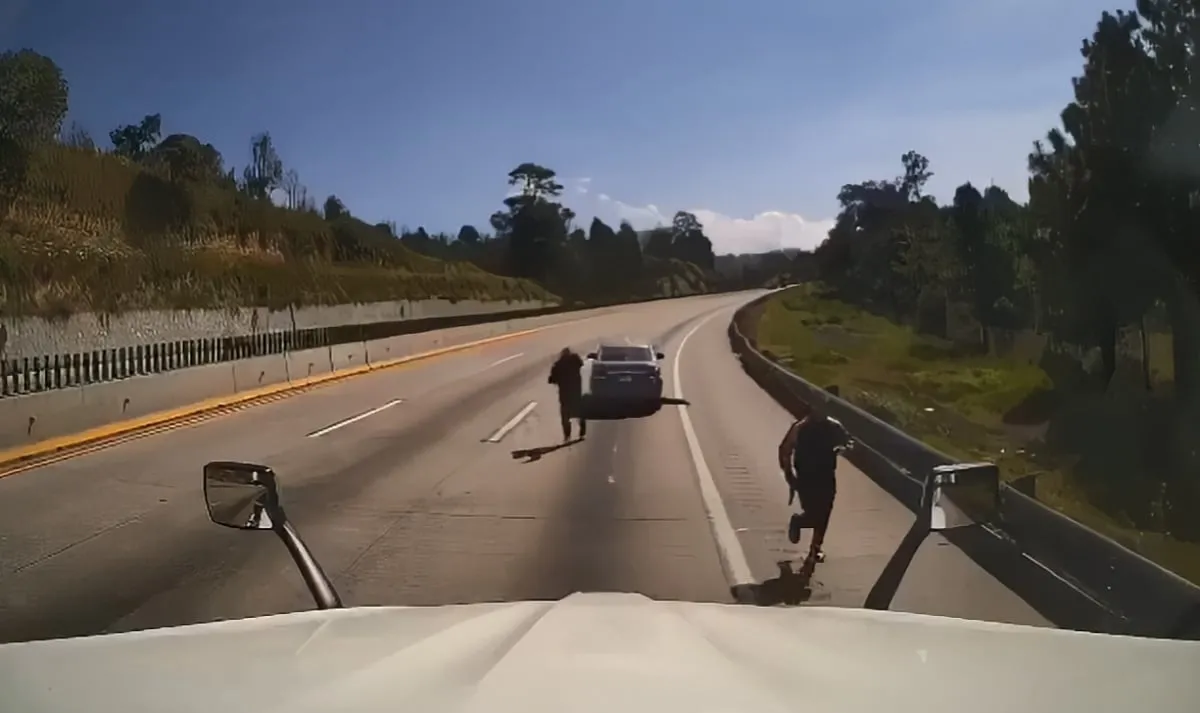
{"points": [[534, 236], [1107, 238]]}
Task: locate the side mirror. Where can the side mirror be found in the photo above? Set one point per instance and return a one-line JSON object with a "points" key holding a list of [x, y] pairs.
{"points": [[591, 355], [243, 496], [962, 494], [660, 356]]}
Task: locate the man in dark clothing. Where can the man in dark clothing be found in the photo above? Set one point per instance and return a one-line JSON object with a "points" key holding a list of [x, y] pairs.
{"points": [[808, 458], [566, 375]]}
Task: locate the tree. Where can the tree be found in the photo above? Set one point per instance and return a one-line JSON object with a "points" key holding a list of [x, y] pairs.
{"points": [[605, 268], [536, 182], [628, 250], [335, 209], [659, 244], [988, 268], [689, 243], [535, 226], [468, 235], [292, 190], [134, 141], [916, 175], [265, 172], [33, 101], [33, 97], [184, 158], [684, 223]]}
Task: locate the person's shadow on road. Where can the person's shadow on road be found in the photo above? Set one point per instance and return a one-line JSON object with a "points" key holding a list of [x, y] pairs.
{"points": [[532, 454], [790, 588]]}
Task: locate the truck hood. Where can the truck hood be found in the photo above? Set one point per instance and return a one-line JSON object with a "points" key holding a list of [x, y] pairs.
{"points": [[600, 652]]}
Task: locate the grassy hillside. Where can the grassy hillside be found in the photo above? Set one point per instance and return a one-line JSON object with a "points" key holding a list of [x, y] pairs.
{"points": [[95, 231]]}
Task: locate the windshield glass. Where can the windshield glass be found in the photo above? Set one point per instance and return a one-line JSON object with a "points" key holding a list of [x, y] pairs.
{"points": [[626, 354], [939, 221]]}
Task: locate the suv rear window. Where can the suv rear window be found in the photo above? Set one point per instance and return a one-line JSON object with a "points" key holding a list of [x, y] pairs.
{"points": [[625, 354]]}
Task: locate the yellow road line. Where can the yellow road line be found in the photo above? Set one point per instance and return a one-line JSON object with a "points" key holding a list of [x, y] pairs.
{"points": [[23, 458]]}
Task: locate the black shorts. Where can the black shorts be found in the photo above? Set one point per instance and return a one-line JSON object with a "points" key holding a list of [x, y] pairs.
{"points": [[816, 492], [570, 405]]}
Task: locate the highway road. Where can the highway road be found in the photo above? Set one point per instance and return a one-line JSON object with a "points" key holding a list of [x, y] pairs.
{"points": [[422, 501]]}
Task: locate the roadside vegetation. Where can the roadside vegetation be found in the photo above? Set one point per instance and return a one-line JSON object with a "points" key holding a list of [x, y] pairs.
{"points": [[1059, 337], [148, 221]]}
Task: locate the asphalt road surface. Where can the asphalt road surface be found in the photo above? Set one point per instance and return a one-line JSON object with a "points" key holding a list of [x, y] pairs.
{"points": [[413, 504]]}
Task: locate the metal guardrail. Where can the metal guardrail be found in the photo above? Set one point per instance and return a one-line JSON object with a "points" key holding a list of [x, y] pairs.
{"points": [[63, 371], [1088, 579], [31, 375]]}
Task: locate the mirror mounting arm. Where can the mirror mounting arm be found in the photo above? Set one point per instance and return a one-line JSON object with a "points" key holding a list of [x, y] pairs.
{"points": [[315, 578]]}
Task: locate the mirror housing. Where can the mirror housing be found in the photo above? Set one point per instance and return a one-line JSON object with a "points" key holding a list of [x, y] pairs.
{"points": [[961, 495], [660, 356], [243, 496], [592, 355]]}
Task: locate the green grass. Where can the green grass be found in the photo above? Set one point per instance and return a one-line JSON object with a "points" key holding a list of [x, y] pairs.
{"points": [[964, 404]]}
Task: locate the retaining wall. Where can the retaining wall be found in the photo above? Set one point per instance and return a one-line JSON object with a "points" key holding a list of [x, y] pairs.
{"points": [[35, 337]]}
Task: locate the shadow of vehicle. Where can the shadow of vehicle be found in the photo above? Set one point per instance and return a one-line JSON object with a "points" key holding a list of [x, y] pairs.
{"points": [[533, 454], [790, 588], [605, 410]]}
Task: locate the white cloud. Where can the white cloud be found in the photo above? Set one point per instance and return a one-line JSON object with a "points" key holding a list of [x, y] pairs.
{"points": [[772, 230], [767, 231]]}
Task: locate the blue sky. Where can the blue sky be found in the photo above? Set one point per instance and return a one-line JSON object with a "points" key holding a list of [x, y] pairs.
{"points": [[751, 113]]}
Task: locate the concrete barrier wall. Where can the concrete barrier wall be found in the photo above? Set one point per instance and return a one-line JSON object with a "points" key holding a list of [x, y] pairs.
{"points": [[348, 356], [303, 364], [25, 420], [258, 372], [28, 419], [1105, 586]]}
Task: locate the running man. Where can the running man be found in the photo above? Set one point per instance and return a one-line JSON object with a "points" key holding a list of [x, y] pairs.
{"points": [[566, 375], [808, 459]]}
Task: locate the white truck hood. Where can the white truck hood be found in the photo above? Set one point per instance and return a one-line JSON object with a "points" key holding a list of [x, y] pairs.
{"points": [[600, 652]]}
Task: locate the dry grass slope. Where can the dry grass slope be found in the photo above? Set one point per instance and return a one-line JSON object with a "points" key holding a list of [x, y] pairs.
{"points": [[93, 232]]}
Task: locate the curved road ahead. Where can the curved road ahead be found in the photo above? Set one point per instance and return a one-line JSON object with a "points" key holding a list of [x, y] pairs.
{"points": [[413, 504]]}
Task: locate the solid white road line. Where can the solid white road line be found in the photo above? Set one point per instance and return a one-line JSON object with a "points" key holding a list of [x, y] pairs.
{"points": [[353, 419], [512, 423], [728, 545]]}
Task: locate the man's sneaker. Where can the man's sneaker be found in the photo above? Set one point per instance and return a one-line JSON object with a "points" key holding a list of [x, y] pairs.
{"points": [[794, 527]]}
